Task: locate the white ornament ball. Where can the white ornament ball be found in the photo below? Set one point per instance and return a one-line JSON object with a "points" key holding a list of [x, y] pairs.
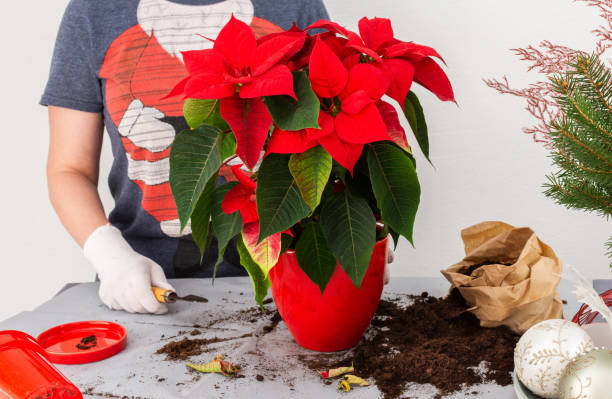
{"points": [[588, 376], [543, 352]]}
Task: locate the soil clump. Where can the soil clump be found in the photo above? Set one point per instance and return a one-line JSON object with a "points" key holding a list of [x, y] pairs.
{"points": [[184, 348], [194, 298], [87, 342], [432, 341]]}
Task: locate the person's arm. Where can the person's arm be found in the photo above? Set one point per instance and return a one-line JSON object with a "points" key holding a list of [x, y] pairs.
{"points": [[126, 277], [72, 170]]}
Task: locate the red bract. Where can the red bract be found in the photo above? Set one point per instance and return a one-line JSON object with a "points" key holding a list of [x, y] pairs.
{"points": [[241, 197], [289, 142], [403, 62], [403, 59], [351, 118], [239, 71], [394, 127]]}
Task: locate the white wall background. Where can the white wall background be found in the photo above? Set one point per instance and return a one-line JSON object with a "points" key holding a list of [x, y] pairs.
{"points": [[486, 169]]}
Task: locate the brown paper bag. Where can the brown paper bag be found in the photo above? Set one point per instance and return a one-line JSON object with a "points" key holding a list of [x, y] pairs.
{"points": [[519, 287]]}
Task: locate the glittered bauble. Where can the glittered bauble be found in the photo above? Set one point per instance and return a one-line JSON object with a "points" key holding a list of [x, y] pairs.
{"points": [[589, 376], [543, 352]]}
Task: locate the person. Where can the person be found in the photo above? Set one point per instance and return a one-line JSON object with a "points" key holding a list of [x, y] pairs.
{"points": [[114, 62]]}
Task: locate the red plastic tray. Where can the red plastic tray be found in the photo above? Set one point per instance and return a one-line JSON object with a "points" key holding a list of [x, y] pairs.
{"points": [[60, 342]]}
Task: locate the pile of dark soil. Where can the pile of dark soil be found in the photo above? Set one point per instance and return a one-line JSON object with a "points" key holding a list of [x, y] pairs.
{"points": [[433, 341]]}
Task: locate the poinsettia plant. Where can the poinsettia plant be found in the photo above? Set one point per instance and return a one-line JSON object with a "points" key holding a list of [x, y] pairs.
{"points": [[322, 156]]}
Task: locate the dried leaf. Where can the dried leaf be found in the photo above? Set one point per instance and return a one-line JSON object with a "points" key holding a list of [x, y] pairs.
{"points": [[344, 386], [354, 380], [349, 380], [337, 371], [217, 365]]}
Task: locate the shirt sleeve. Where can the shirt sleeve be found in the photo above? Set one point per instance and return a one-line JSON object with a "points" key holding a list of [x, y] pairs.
{"points": [[73, 82], [312, 11]]}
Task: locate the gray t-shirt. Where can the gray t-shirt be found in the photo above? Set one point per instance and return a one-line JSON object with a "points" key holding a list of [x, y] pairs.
{"points": [[121, 57]]}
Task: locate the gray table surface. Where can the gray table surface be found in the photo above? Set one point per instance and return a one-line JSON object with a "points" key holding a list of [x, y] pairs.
{"points": [[140, 373]]}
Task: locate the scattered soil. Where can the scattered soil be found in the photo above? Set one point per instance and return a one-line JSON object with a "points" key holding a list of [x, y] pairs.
{"points": [[88, 342], [432, 341], [91, 392], [276, 318], [194, 298], [57, 392], [259, 377], [184, 348], [472, 268]]}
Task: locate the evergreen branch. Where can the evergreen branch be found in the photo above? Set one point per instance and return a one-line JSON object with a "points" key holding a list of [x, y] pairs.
{"points": [[582, 65], [565, 88], [594, 197], [576, 164], [580, 143]]}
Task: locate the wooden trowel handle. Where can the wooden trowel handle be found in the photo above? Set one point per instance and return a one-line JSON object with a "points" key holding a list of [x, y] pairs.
{"points": [[164, 296]]}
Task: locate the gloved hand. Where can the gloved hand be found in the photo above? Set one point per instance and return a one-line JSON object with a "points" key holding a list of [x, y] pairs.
{"points": [[390, 259], [126, 277]]}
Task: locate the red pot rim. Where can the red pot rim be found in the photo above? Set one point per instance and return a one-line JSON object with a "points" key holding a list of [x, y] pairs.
{"points": [[292, 251]]}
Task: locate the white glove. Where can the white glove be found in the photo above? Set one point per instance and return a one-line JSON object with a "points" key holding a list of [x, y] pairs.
{"points": [[126, 277], [390, 259]]}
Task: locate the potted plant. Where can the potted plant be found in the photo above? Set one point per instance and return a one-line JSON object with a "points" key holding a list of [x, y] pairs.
{"points": [[323, 161]]}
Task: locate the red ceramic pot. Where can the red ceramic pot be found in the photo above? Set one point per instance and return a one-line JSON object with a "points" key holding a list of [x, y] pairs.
{"points": [[336, 319], [27, 373]]}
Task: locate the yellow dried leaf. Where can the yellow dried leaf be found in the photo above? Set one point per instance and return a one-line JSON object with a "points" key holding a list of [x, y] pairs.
{"points": [[354, 380], [344, 386], [337, 371], [217, 365]]}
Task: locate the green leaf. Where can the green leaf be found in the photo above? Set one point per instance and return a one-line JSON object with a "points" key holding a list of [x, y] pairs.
{"points": [[279, 202], [265, 252], [350, 228], [286, 241], [311, 170], [339, 171], [227, 146], [314, 256], [289, 114], [216, 120], [194, 159], [196, 111], [225, 226], [200, 218], [416, 119], [396, 186], [261, 283], [395, 235]]}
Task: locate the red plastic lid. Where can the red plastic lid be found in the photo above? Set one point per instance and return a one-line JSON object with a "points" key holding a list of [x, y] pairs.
{"points": [[83, 341]]}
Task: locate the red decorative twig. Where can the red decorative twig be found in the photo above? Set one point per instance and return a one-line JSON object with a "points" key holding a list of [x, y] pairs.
{"points": [[548, 58]]}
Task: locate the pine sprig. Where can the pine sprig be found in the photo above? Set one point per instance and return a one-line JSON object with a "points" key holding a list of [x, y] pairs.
{"points": [[581, 138]]}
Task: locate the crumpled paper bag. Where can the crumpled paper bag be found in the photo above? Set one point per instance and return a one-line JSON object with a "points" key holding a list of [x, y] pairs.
{"points": [[519, 288]]}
